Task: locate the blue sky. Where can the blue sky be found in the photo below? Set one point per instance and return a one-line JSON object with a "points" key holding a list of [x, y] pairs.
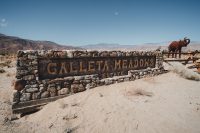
{"points": [[81, 22]]}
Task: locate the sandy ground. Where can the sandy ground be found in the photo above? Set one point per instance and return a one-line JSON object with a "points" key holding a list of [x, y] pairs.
{"points": [[6, 81], [166, 103]]}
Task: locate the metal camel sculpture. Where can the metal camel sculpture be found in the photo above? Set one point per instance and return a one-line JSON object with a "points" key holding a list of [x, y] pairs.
{"points": [[176, 46]]}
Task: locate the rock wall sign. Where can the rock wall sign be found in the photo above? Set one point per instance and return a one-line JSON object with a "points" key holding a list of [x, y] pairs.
{"points": [[103, 66]]}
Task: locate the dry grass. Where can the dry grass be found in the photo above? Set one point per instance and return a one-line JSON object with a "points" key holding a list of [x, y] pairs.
{"points": [[139, 92], [6, 63], [13, 82], [70, 116], [150, 80], [10, 74]]}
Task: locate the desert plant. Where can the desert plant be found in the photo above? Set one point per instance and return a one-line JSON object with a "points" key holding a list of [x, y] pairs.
{"points": [[139, 92], [8, 74], [183, 71], [142, 92], [2, 70], [62, 105], [6, 63]]}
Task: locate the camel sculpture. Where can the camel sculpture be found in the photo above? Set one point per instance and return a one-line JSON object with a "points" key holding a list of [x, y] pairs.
{"points": [[176, 46]]}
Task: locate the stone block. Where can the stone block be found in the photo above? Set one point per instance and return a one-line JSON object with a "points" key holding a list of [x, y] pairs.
{"points": [[25, 97], [77, 88], [74, 88], [120, 80], [51, 89], [16, 96], [91, 85], [101, 82], [32, 57], [58, 87], [36, 95], [63, 91], [76, 82], [42, 89], [32, 89], [29, 77], [45, 94], [34, 85], [53, 94], [81, 88], [108, 81]]}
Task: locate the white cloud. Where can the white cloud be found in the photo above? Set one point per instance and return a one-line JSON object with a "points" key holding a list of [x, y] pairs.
{"points": [[3, 23], [116, 13], [3, 20]]}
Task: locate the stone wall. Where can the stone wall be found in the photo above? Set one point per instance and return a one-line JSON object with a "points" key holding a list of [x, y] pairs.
{"points": [[30, 92]]}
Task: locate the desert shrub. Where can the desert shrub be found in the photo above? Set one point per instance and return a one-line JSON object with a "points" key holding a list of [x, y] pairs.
{"points": [[142, 92], [8, 74], [13, 82], [139, 92], [5, 64], [2, 70], [2, 64], [183, 71], [62, 105]]}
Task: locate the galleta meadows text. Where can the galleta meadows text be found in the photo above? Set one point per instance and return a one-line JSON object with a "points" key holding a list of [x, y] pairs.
{"points": [[104, 66]]}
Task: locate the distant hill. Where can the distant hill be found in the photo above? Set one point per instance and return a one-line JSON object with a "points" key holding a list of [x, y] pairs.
{"points": [[147, 46], [110, 46], [10, 44]]}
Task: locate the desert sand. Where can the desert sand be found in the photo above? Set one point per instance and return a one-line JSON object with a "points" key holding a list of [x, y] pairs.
{"points": [[167, 103]]}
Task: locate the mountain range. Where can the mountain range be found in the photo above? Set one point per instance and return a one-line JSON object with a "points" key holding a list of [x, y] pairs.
{"points": [[11, 44], [140, 47]]}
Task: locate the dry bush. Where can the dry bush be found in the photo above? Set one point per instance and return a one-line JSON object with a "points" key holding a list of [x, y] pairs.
{"points": [[3, 64], [142, 92], [183, 71], [13, 82], [70, 116], [70, 130], [7, 63], [150, 80], [139, 92], [8, 74], [62, 105], [2, 70]]}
